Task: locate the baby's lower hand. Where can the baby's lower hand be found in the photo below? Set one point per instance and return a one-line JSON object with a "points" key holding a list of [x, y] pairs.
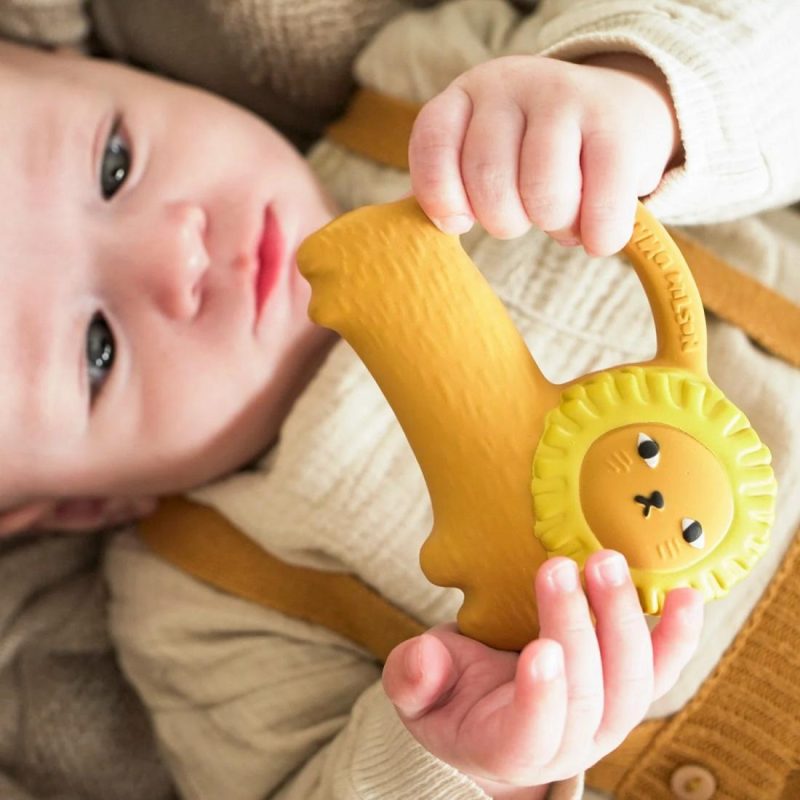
{"points": [[571, 696], [524, 140]]}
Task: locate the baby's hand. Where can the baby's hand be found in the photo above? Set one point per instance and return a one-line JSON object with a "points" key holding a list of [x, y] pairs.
{"points": [[567, 699], [524, 140]]}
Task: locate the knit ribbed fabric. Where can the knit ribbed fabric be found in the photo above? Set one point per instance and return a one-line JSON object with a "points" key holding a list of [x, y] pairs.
{"points": [[288, 60], [743, 723], [70, 726]]}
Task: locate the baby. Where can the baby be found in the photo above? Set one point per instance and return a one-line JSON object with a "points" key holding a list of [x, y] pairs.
{"points": [[145, 225], [174, 349]]}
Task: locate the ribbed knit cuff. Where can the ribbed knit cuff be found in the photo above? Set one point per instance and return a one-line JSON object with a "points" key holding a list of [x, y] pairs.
{"points": [[724, 168]]}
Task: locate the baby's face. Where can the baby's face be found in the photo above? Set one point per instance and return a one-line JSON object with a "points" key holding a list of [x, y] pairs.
{"points": [[153, 325]]}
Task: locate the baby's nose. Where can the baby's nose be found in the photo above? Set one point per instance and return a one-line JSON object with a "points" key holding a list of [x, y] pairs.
{"points": [[179, 260]]}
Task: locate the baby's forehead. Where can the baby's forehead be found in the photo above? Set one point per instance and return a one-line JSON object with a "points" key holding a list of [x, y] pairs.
{"points": [[24, 73], [30, 71]]}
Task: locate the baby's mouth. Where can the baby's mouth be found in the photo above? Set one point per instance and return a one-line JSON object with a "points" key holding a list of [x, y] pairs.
{"points": [[268, 259]]}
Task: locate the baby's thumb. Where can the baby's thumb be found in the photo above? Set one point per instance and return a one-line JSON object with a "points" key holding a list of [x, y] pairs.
{"points": [[418, 676]]}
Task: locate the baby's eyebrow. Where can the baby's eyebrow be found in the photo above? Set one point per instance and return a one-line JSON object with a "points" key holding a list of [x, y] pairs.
{"points": [[42, 335], [64, 138]]}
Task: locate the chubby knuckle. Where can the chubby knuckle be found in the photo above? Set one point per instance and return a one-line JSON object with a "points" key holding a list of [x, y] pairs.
{"points": [[575, 623], [602, 211], [429, 146], [433, 188], [628, 622], [538, 195], [489, 178], [585, 701], [629, 634], [603, 138], [433, 137], [545, 208]]}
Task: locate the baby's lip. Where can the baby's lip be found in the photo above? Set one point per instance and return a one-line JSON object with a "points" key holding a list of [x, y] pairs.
{"points": [[269, 258]]}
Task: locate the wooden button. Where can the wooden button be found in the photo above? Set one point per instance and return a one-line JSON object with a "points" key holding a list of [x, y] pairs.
{"points": [[693, 782]]}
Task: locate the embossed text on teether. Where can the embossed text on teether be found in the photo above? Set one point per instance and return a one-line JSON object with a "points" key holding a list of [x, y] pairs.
{"points": [[653, 250]]}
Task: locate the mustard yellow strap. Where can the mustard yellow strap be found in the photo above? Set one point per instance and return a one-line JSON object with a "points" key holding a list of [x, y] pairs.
{"points": [[378, 127], [766, 316], [200, 541]]}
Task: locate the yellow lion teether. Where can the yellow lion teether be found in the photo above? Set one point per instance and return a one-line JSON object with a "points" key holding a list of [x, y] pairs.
{"points": [[649, 459]]}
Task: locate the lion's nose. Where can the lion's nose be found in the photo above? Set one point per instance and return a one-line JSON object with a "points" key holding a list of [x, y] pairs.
{"points": [[654, 500]]}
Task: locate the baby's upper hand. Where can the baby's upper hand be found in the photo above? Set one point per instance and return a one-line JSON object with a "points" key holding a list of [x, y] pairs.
{"points": [[525, 140], [567, 699]]}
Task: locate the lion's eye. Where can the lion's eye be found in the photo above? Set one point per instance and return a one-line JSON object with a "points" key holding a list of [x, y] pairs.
{"points": [[693, 532], [649, 450]]}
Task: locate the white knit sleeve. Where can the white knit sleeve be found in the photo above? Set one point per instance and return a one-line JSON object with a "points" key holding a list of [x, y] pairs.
{"points": [[248, 704], [733, 72]]}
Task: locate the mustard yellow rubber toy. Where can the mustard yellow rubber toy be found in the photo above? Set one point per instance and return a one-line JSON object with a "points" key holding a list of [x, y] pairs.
{"points": [[650, 459]]}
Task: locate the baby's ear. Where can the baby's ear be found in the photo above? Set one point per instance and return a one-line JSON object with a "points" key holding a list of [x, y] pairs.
{"points": [[22, 518], [86, 514]]}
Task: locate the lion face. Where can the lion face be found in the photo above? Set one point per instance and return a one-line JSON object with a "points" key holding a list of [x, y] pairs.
{"points": [[656, 494], [657, 463]]}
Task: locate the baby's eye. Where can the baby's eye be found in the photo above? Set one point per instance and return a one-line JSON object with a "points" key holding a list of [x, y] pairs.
{"points": [[115, 164], [99, 353], [648, 450]]}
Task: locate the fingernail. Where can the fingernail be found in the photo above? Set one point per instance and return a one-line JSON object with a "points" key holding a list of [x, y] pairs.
{"points": [[613, 570], [455, 225], [548, 664], [564, 576]]}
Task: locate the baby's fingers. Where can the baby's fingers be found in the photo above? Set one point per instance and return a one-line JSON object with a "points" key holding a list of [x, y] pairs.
{"points": [[624, 644], [490, 167], [417, 674], [528, 718], [550, 178], [675, 637], [609, 197], [434, 158]]}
